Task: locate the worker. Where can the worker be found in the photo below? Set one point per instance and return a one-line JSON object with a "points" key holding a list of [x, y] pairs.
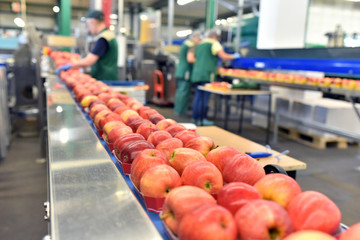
{"points": [[103, 57], [204, 71], [183, 73]]}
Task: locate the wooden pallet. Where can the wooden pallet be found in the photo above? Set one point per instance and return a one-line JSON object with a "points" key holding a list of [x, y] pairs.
{"points": [[313, 140]]}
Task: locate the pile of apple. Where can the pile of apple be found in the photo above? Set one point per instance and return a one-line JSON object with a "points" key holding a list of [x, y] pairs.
{"points": [[292, 78], [61, 58], [209, 192]]}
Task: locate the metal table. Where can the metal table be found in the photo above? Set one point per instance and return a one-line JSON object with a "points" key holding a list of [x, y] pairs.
{"points": [[88, 196], [242, 93]]}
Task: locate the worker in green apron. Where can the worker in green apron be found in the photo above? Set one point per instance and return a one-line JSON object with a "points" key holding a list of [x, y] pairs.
{"points": [[183, 72], [204, 71], [103, 57]]}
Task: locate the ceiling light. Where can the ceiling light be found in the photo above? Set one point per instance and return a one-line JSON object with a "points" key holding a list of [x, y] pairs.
{"points": [[123, 30], [144, 17], [218, 22], [113, 16], [184, 2], [112, 27], [184, 33], [56, 9], [19, 22]]}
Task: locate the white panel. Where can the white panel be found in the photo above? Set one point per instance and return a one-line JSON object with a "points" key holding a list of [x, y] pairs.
{"points": [[282, 24]]}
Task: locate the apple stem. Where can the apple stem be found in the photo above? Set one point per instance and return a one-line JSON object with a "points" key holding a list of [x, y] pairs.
{"points": [[208, 185], [274, 234]]}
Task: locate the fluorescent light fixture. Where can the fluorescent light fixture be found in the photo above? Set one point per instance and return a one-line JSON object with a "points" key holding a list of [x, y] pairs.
{"points": [[143, 17], [229, 20], [56, 9], [19, 22], [184, 33], [218, 22], [112, 27], [123, 30], [184, 2], [113, 16], [223, 21]]}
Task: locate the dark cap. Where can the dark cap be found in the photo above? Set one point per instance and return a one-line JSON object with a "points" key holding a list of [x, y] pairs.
{"points": [[96, 14]]}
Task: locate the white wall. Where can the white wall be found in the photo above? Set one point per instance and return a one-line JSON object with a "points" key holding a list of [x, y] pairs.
{"points": [[282, 24], [324, 17]]}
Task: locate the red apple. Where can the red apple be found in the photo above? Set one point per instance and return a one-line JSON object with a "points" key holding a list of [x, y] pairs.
{"points": [[243, 168], [234, 195], [220, 155], [117, 132], [131, 119], [278, 187], [311, 210], [127, 113], [120, 109], [96, 102], [135, 124], [311, 235], [181, 157], [143, 161], [99, 116], [136, 106], [105, 96], [96, 109], [129, 153], [203, 174], [114, 103], [165, 123], [180, 201], [201, 144], [142, 109], [174, 129], [109, 117], [146, 129], [155, 118], [352, 233], [208, 222], [125, 140], [158, 136], [148, 113], [186, 135], [110, 126], [169, 145], [159, 180], [262, 219]]}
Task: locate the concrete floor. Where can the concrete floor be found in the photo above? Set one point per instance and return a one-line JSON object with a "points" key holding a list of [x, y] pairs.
{"points": [[23, 180]]}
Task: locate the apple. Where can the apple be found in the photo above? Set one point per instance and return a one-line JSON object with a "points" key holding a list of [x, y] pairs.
{"points": [[165, 123], [85, 102], [127, 113], [96, 102], [142, 109], [99, 116], [159, 180], [203, 174], [220, 155], [243, 168], [129, 153], [208, 222], [117, 132], [109, 117], [180, 201], [105, 96], [113, 103], [135, 124], [143, 161], [186, 135], [201, 144], [96, 109], [234, 195], [148, 113], [181, 157], [132, 118], [352, 233], [158, 136], [125, 140], [262, 219], [120, 109], [110, 125], [146, 129], [312, 210], [278, 187], [311, 235], [169, 145], [136, 106], [174, 129], [155, 118]]}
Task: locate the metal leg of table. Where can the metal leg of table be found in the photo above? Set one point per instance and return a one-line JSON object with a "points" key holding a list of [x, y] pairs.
{"points": [[268, 121], [242, 105], [227, 112]]}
